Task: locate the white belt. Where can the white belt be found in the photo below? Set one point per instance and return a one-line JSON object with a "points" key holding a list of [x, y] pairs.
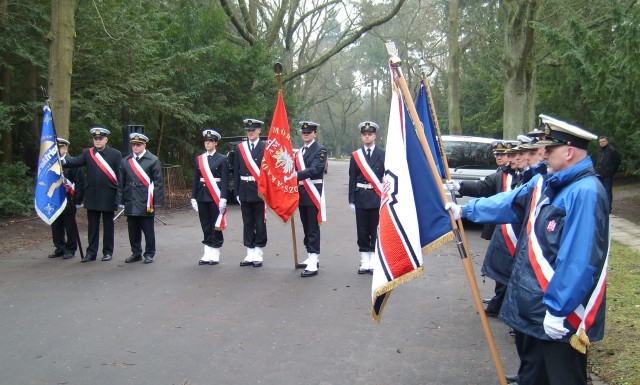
{"points": [[214, 179], [249, 178], [314, 181], [366, 186]]}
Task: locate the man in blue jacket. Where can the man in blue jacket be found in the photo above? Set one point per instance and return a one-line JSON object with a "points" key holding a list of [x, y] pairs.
{"points": [[555, 299]]}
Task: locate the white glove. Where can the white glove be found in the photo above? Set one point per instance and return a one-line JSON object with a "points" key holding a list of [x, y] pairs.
{"points": [[452, 185], [223, 204], [121, 206], [456, 210], [238, 199], [353, 207], [554, 326], [288, 178], [194, 204], [78, 207]]}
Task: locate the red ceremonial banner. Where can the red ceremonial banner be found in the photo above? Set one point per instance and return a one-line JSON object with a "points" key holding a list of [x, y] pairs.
{"points": [[282, 197]]}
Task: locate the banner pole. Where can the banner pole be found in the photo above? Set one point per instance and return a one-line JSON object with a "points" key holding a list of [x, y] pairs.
{"points": [[277, 68], [444, 155], [462, 244]]}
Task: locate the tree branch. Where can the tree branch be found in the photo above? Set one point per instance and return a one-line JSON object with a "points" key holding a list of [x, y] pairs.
{"points": [[246, 35], [355, 36]]}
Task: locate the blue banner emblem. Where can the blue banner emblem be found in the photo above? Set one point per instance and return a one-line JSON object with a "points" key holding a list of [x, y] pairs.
{"points": [[50, 198]]}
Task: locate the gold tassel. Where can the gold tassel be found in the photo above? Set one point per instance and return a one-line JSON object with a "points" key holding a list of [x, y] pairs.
{"points": [[580, 342]]}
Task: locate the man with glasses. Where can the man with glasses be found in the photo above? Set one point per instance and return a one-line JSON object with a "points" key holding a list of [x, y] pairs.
{"points": [[555, 298]]}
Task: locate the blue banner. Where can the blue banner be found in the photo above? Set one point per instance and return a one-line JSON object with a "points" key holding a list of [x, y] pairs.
{"points": [[434, 221], [50, 197], [424, 112]]}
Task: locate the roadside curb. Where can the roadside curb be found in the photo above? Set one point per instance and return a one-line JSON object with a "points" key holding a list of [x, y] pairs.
{"points": [[625, 232]]}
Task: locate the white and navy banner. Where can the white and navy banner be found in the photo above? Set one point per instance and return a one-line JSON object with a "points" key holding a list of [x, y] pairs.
{"points": [[398, 251], [50, 197]]}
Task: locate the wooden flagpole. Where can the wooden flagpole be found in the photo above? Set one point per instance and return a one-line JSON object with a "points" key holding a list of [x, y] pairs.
{"points": [[277, 68], [444, 155], [461, 242]]}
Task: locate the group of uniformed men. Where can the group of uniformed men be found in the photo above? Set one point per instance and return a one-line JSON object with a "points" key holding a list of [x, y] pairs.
{"points": [[211, 182], [135, 185], [548, 252]]}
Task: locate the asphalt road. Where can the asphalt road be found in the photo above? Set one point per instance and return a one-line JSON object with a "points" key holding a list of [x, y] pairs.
{"points": [[174, 322]]}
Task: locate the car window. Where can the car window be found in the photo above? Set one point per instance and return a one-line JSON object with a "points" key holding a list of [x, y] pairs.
{"points": [[469, 155]]}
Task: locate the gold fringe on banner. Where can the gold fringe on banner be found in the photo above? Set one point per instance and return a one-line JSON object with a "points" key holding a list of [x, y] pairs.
{"points": [[448, 237], [389, 286]]}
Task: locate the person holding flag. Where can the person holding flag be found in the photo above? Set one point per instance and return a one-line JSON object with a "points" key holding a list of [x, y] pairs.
{"points": [[63, 229], [309, 166], [366, 170], [140, 190], [103, 164], [246, 174], [498, 259], [209, 196], [555, 298]]}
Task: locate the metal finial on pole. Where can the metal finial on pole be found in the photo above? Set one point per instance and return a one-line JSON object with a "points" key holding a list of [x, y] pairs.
{"points": [[277, 68]]}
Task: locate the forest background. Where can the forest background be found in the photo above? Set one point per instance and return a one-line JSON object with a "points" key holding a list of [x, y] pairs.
{"points": [[178, 67]]}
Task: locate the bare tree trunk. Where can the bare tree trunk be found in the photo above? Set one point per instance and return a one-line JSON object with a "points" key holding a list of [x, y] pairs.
{"points": [[62, 36], [31, 81], [453, 70], [519, 66], [5, 82]]}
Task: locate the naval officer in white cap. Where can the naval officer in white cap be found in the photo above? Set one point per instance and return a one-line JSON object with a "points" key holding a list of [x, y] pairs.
{"points": [[555, 299]]}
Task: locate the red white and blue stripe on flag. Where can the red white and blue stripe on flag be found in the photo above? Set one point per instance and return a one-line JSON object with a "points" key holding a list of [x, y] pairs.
{"points": [[413, 220]]}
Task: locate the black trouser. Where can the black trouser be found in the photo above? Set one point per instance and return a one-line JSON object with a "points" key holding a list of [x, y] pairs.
{"points": [[255, 229], [607, 183], [496, 302], [208, 213], [93, 219], [64, 224], [137, 226], [309, 219], [549, 362], [367, 228], [565, 365]]}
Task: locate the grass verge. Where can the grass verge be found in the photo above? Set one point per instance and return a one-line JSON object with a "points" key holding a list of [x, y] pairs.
{"points": [[615, 358]]}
